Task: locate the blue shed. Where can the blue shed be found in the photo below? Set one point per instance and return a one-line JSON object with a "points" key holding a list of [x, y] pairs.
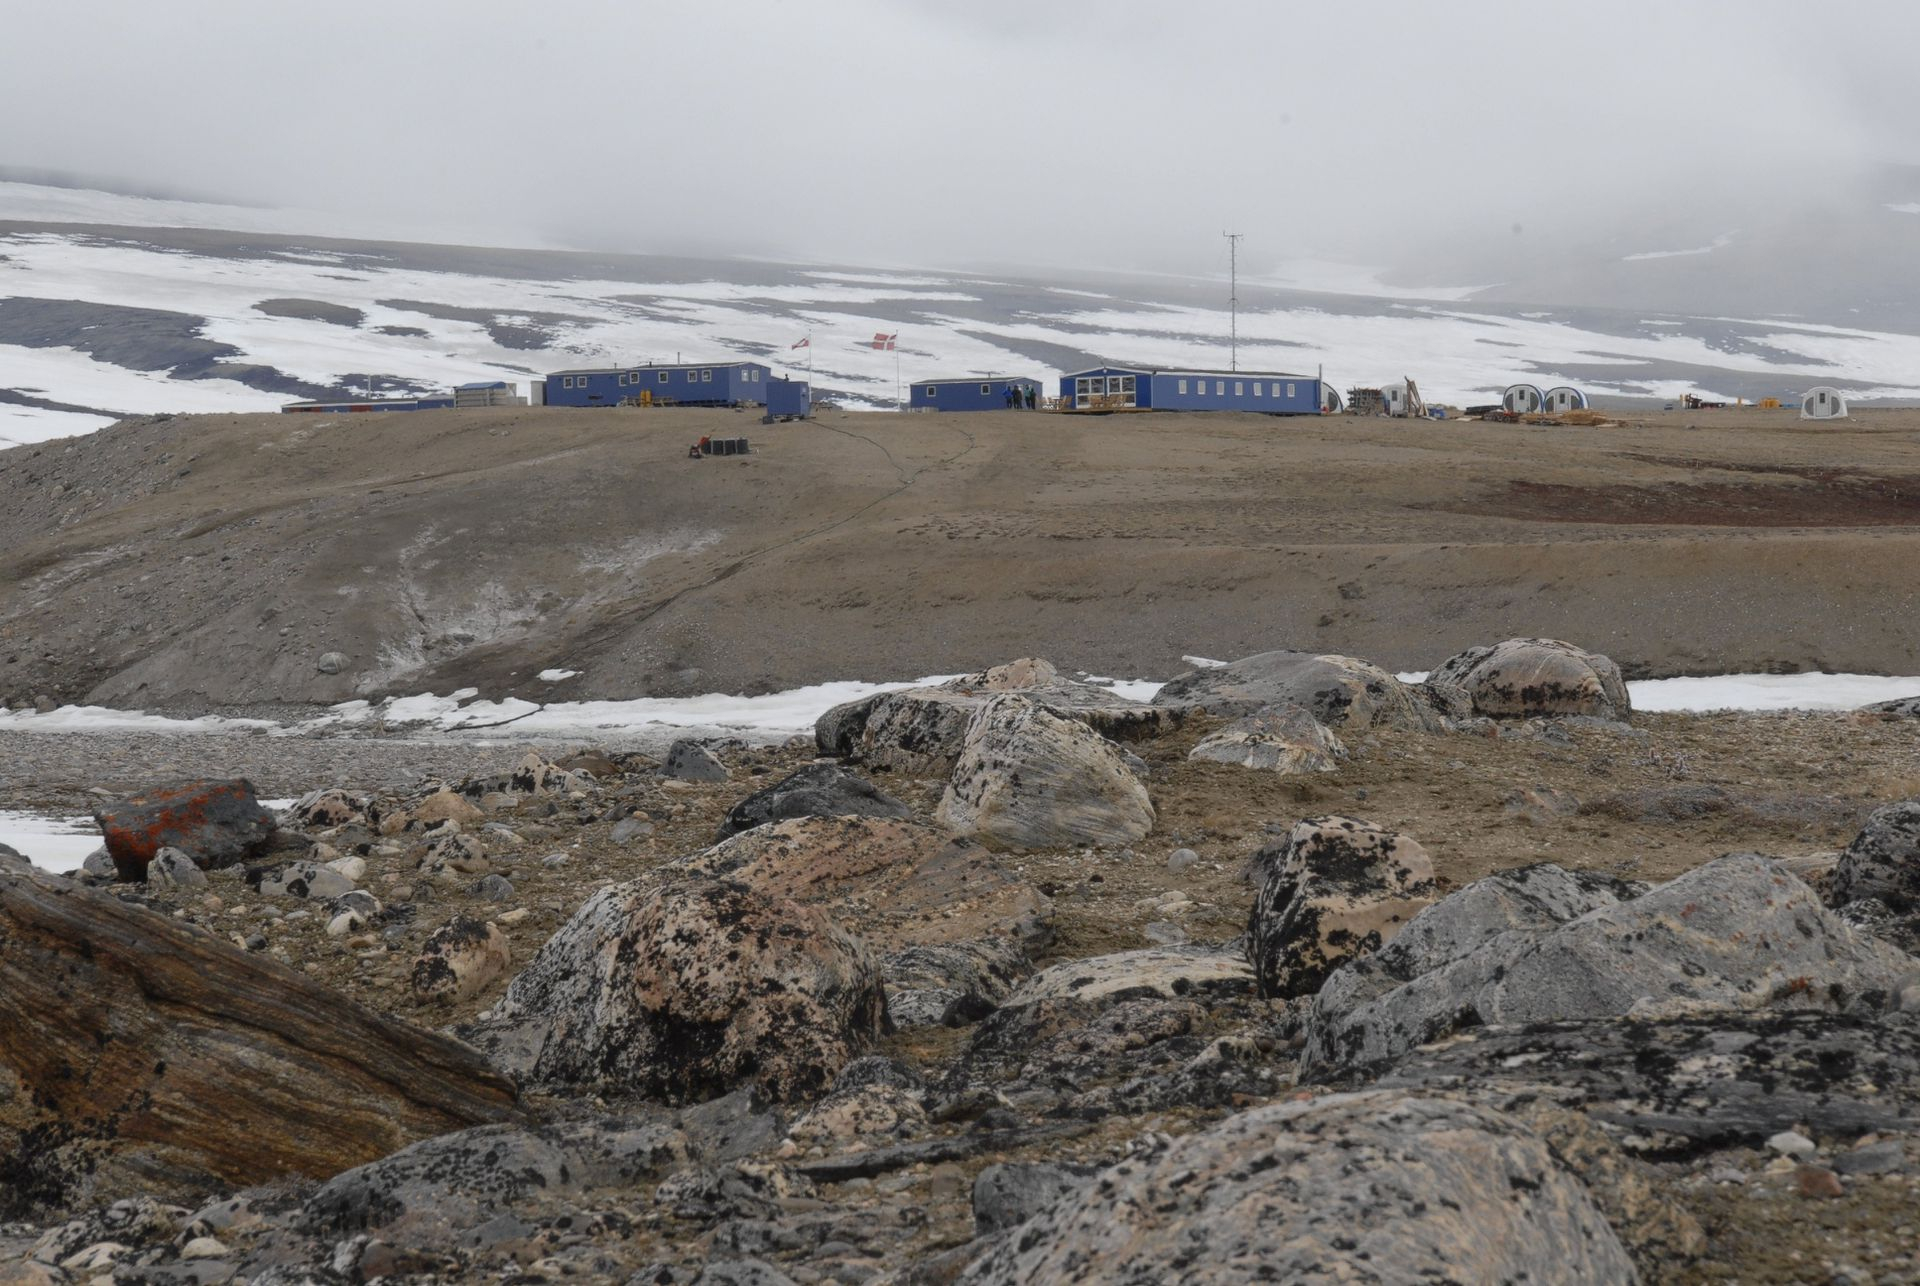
{"points": [[973, 393], [789, 399], [1145, 388], [691, 384]]}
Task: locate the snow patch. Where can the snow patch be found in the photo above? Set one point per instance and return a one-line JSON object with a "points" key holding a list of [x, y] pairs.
{"points": [[555, 676], [51, 843], [1720, 242]]}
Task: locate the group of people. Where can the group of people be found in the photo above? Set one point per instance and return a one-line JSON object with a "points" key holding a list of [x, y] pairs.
{"points": [[1021, 397]]}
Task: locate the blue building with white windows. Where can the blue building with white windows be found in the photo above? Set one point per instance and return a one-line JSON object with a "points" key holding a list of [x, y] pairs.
{"points": [[970, 394], [1122, 388], [692, 384]]}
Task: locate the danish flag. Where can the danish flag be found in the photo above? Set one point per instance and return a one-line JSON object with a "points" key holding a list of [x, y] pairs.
{"points": [[884, 342], [805, 343]]}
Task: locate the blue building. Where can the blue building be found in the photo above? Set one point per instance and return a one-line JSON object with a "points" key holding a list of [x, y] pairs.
{"points": [[1131, 387], [709, 384], [789, 399], [970, 394]]}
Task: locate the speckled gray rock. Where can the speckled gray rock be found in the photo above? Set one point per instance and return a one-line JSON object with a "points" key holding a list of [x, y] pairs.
{"points": [[922, 730], [173, 869], [691, 761], [1167, 972], [1382, 1187], [1720, 1080], [742, 1272], [817, 790], [459, 960], [1284, 741], [686, 991], [1027, 778], [1008, 1194], [1900, 708], [1334, 889], [436, 1190], [1883, 861], [1342, 692], [951, 984], [299, 880], [1528, 678], [1738, 934]]}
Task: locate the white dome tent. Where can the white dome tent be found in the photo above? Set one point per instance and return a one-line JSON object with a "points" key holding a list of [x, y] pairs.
{"points": [[1565, 398], [1330, 400], [1523, 399], [1823, 403]]}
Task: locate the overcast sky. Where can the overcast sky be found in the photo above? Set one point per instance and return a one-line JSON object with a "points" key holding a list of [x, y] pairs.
{"points": [[1103, 133]]}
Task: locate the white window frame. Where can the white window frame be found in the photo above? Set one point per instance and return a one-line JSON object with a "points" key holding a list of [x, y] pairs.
{"points": [[1183, 386], [1256, 389], [706, 377], [663, 376], [1289, 390], [621, 379], [1219, 388], [1239, 388], [986, 390]]}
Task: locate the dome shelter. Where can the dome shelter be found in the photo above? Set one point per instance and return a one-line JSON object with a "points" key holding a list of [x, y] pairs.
{"points": [[1565, 397], [1523, 399], [1823, 403]]}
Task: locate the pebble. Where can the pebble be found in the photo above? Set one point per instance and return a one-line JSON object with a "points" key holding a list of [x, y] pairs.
{"points": [[203, 1248], [1818, 1181], [1792, 1143], [495, 888], [354, 867], [1181, 858]]}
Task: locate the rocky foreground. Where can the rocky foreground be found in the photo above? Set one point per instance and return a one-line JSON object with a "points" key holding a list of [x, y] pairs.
{"points": [[1007, 980]]}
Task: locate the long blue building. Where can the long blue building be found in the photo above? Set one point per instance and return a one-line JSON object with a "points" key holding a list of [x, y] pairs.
{"points": [[1129, 387], [692, 384], [970, 394]]}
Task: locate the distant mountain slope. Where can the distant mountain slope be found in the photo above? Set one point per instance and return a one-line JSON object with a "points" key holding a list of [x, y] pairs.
{"points": [[114, 305]]}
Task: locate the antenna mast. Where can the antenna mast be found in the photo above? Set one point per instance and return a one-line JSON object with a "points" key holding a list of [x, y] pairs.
{"points": [[1233, 298]]}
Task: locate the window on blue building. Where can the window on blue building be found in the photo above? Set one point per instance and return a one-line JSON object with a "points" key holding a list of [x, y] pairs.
{"points": [[1289, 390], [706, 377], [1183, 386], [988, 388], [1219, 388], [663, 377], [932, 390], [1239, 389], [1256, 388]]}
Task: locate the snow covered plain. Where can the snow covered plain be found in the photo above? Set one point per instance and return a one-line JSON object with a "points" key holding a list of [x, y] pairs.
{"points": [[426, 324]]}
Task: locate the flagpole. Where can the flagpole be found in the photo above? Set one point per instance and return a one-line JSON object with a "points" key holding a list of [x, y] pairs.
{"points": [[899, 403]]}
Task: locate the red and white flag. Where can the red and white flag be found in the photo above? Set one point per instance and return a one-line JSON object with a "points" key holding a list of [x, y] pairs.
{"points": [[805, 343], [884, 342]]}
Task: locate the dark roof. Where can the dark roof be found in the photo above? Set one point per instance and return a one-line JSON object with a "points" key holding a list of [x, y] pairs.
{"points": [[656, 366], [1194, 370], [979, 379]]}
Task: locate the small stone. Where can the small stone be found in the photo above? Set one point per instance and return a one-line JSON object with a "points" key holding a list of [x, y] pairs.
{"points": [[1818, 1181], [203, 1248], [98, 866], [691, 761], [1164, 933], [628, 830], [173, 869], [494, 888], [554, 861], [1181, 858], [354, 867], [344, 923], [514, 916], [1792, 1143], [331, 662]]}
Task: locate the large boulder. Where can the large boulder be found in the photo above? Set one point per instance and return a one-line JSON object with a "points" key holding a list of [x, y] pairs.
{"points": [[1883, 861], [1334, 889], [1738, 934], [216, 823], [817, 790], [1899, 708], [896, 884], [922, 730], [1285, 740], [1167, 973], [684, 992], [154, 1058], [458, 960], [1026, 778], [1531, 678], [1341, 692], [1377, 1187]]}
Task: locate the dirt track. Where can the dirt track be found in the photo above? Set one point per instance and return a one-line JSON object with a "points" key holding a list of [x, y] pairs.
{"points": [[213, 560]]}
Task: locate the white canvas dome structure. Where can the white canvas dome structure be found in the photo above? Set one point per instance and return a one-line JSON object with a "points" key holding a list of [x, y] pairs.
{"points": [[1523, 399], [1565, 398], [1823, 403], [1330, 400]]}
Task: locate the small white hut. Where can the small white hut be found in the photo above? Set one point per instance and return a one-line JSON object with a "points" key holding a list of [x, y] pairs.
{"points": [[1393, 398], [1523, 399], [1823, 403], [1565, 398]]}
